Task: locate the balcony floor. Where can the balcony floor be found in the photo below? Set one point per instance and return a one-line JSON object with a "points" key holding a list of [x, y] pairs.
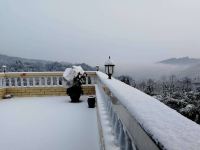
{"points": [[47, 123]]}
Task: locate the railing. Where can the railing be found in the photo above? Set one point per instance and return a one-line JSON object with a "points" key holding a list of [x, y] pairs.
{"points": [[140, 122], [38, 79], [40, 84]]}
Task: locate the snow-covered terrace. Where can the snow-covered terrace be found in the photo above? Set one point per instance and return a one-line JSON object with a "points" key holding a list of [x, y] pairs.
{"points": [[47, 123], [124, 118]]}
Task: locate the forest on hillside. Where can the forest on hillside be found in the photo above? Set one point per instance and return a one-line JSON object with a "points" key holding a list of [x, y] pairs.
{"points": [[177, 93], [17, 64]]}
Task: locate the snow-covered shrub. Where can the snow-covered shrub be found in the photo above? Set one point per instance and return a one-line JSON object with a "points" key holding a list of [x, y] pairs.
{"points": [[177, 95], [190, 111], [174, 103]]}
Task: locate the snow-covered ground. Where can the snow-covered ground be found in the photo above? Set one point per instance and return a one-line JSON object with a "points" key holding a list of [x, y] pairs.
{"points": [[47, 123]]}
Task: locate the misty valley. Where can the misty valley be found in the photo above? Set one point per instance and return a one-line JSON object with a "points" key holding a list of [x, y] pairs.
{"points": [[175, 82]]}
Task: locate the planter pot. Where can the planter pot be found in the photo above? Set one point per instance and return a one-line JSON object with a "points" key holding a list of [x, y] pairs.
{"points": [[74, 93], [75, 98], [91, 102]]}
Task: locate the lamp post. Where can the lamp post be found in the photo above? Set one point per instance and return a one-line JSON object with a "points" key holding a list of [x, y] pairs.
{"points": [[97, 67], [4, 68], [109, 68]]}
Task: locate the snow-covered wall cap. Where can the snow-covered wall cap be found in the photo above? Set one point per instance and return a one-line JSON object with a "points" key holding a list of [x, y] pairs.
{"points": [[109, 62], [164, 125]]}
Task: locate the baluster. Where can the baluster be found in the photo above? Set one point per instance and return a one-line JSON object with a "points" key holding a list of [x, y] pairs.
{"points": [[15, 80], [51, 81], [116, 128], [22, 81], [95, 80], [4, 82], [121, 137], [112, 112], [62, 82], [86, 80], [108, 104], [45, 81], [113, 119], [28, 82], [9, 82], [110, 109], [91, 80], [128, 144], [33, 81], [54, 81], [57, 81], [40, 81]]}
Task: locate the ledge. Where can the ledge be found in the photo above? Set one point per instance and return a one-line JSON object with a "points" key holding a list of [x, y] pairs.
{"points": [[167, 128]]}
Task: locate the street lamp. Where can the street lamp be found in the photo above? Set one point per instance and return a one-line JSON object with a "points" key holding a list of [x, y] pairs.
{"points": [[97, 67], [109, 67], [4, 68]]}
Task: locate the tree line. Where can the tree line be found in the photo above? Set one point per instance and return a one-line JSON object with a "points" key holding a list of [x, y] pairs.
{"points": [[177, 93]]}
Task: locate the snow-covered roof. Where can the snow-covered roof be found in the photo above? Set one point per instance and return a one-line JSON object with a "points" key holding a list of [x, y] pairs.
{"points": [[165, 125]]}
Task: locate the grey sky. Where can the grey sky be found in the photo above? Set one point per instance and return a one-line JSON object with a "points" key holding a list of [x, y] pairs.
{"points": [[131, 31]]}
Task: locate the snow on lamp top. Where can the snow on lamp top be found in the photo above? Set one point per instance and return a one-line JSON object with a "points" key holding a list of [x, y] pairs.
{"points": [[109, 62]]}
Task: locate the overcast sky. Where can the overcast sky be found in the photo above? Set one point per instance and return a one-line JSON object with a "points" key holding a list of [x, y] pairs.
{"points": [[131, 31]]}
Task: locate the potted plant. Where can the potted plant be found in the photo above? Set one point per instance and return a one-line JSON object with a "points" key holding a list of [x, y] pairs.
{"points": [[74, 78], [76, 90]]}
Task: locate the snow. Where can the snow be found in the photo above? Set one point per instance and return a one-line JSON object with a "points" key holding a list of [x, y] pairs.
{"points": [[108, 136], [109, 62], [47, 123], [70, 73], [171, 129]]}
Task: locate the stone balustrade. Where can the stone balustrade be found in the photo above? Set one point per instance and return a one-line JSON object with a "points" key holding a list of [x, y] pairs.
{"points": [[140, 122], [39, 83]]}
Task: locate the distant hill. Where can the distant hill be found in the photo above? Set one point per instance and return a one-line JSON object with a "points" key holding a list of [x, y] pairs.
{"points": [[18, 64], [181, 61]]}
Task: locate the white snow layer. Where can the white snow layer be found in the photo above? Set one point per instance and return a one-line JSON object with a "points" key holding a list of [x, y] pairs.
{"points": [[108, 136], [47, 123], [171, 129]]}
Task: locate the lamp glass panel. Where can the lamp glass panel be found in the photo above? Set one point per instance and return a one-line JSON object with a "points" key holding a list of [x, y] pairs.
{"points": [[111, 69], [106, 69]]}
